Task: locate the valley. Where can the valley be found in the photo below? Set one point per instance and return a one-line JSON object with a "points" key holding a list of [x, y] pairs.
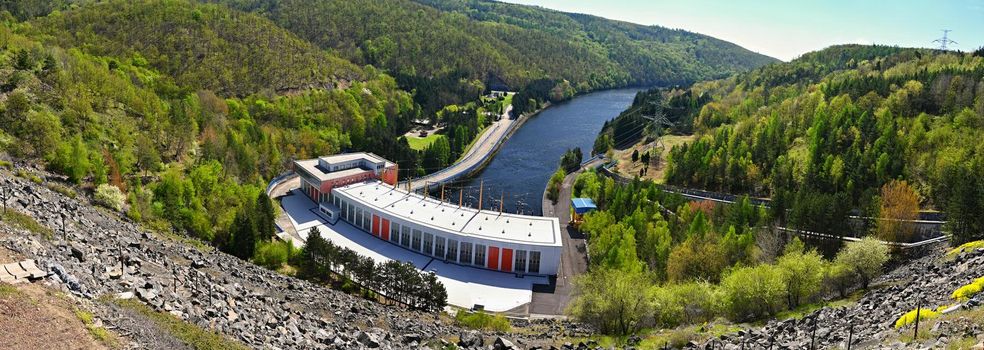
{"points": [[480, 174]]}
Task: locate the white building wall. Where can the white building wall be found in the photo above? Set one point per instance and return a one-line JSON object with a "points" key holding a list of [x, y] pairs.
{"points": [[549, 255]]}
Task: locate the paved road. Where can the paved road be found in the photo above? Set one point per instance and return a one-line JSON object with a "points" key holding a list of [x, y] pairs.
{"points": [[480, 150], [549, 302], [279, 190]]}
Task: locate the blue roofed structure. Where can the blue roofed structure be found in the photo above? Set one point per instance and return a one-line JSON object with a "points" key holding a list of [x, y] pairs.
{"points": [[583, 205]]}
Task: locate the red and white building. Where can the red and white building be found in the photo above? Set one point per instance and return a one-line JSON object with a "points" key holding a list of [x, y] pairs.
{"points": [[513, 243], [320, 175]]}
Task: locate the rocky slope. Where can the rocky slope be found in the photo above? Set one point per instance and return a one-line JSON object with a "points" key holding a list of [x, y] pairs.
{"points": [[870, 323], [257, 307]]}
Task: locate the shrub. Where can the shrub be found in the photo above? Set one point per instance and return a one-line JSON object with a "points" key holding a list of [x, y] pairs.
{"points": [[802, 273], [481, 320], [864, 259], [614, 302], [64, 190], [965, 292], [910, 317], [110, 197], [687, 303], [273, 254], [965, 247], [553, 187], [753, 292]]}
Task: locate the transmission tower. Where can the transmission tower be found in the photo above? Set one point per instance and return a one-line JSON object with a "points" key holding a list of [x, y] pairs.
{"points": [[944, 40], [659, 124]]}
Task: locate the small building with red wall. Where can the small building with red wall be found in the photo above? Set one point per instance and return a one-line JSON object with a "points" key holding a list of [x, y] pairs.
{"points": [[320, 175]]}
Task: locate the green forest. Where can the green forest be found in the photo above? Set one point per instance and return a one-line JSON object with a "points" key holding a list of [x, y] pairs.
{"points": [[822, 136], [885, 132], [446, 50]]}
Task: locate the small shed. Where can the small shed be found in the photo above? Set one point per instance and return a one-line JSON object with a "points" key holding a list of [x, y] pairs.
{"points": [[580, 207]]}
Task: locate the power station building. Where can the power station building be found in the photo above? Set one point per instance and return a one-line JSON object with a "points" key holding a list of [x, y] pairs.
{"points": [[493, 240], [320, 175]]}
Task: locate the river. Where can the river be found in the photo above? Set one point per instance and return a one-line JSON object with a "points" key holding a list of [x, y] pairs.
{"points": [[520, 171]]}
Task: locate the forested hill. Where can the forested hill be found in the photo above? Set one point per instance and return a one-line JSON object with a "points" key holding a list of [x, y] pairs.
{"points": [[448, 49], [205, 47], [837, 130]]}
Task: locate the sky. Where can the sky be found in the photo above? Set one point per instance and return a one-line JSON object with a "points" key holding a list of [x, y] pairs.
{"points": [[786, 29]]}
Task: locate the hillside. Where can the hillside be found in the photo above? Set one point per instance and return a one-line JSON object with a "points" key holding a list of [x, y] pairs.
{"points": [[206, 46], [447, 49], [115, 111], [834, 126]]}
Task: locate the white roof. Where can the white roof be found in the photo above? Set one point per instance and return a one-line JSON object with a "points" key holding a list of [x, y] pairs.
{"points": [[347, 157], [448, 217]]}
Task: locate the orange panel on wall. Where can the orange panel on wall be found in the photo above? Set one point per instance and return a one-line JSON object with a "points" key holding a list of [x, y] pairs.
{"points": [[385, 230], [375, 225], [494, 258], [507, 259]]}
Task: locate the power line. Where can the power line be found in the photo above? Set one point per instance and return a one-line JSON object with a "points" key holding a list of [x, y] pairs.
{"points": [[944, 40]]}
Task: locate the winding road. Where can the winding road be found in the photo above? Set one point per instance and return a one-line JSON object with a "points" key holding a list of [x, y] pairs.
{"points": [[483, 148]]}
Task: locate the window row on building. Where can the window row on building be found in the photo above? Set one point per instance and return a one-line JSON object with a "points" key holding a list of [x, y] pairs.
{"points": [[439, 246]]}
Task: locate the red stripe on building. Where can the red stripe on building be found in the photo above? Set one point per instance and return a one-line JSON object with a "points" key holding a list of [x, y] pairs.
{"points": [[494, 258], [507, 259], [375, 225], [386, 230]]}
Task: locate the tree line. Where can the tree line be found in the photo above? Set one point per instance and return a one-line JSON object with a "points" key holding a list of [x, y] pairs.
{"points": [[320, 259]]}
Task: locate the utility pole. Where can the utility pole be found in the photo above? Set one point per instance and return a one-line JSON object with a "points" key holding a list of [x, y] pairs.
{"points": [[502, 196], [944, 40], [481, 188]]}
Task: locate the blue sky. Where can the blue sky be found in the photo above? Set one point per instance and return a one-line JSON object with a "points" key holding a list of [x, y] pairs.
{"points": [[787, 29]]}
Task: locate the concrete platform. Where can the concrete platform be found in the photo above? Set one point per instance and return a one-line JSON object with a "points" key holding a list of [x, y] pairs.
{"points": [[466, 286]]}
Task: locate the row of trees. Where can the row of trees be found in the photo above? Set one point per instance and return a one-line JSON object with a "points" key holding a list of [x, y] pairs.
{"points": [[399, 281]]}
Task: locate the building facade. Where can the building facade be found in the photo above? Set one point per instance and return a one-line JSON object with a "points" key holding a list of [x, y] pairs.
{"points": [[486, 239], [320, 175]]}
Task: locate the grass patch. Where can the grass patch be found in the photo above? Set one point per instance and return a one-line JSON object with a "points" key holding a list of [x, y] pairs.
{"points": [[191, 334], [64, 190], [24, 221], [963, 248], [6, 164], [98, 333], [7, 290], [803, 310], [421, 143], [482, 320], [28, 175], [963, 343]]}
